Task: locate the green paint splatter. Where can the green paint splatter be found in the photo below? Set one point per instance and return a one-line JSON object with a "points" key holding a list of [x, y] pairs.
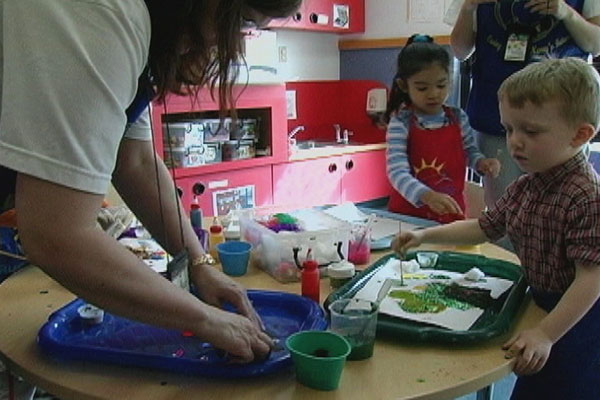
{"points": [[439, 276], [431, 300]]}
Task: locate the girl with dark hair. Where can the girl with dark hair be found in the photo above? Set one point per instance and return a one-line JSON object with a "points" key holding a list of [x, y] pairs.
{"points": [[428, 142], [76, 80]]}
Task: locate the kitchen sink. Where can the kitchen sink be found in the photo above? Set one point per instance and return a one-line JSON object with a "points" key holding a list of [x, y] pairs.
{"points": [[316, 144]]}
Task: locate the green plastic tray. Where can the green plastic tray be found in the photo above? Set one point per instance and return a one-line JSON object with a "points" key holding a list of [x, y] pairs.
{"points": [[495, 320]]}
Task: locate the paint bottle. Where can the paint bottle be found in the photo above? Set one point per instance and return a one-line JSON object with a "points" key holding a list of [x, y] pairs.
{"points": [[216, 236], [310, 278], [196, 214]]}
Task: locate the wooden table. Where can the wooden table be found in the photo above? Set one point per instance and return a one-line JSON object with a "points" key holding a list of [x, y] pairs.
{"points": [[397, 370]]}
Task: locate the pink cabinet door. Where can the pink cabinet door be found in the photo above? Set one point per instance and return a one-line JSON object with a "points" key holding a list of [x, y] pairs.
{"points": [[364, 176], [253, 185], [307, 183]]}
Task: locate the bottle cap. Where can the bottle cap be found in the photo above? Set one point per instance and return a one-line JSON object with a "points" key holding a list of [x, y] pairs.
{"points": [[342, 269], [310, 265], [216, 229]]}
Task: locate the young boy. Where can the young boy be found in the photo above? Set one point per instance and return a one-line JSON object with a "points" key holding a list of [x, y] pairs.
{"points": [[550, 110]]}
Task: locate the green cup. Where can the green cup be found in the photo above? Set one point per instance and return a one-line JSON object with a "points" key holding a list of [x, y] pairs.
{"points": [[319, 358]]}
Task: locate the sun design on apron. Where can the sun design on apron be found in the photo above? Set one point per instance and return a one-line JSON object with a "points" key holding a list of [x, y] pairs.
{"points": [[433, 175]]}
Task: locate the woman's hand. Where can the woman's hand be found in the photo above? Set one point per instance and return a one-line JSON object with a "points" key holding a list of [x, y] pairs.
{"points": [[235, 334], [216, 288], [405, 240], [441, 203], [488, 166], [556, 8], [530, 349]]}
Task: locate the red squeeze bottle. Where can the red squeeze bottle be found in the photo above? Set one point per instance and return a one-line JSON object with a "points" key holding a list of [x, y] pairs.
{"points": [[310, 279]]}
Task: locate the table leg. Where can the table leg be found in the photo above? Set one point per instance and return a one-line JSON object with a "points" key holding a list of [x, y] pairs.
{"points": [[485, 393]]}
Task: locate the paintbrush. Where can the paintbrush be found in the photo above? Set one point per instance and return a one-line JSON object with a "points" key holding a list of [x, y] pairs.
{"points": [[366, 230], [401, 255]]}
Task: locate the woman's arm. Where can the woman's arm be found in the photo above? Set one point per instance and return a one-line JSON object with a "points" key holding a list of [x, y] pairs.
{"points": [[586, 33], [462, 38], [135, 179]]}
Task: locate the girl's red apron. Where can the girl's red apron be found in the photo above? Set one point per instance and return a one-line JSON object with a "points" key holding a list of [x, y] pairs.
{"points": [[437, 159]]}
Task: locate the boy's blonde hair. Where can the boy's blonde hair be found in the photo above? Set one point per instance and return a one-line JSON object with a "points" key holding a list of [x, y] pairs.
{"points": [[572, 82]]}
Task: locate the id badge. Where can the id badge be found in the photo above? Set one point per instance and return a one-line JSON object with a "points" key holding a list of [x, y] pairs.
{"points": [[517, 46], [177, 270]]}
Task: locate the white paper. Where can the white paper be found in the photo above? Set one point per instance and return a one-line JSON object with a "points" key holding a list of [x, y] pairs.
{"points": [[347, 212], [384, 227], [450, 318], [425, 10], [290, 102]]}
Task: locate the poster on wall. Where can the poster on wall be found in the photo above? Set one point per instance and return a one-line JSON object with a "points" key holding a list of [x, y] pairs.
{"points": [[425, 11], [341, 16], [235, 198]]}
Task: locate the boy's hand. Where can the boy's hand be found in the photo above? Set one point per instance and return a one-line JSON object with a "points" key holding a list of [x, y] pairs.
{"points": [[488, 166], [530, 349], [405, 240], [441, 203]]}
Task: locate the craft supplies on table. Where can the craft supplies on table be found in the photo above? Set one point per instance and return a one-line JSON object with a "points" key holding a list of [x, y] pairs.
{"points": [[66, 336], [281, 241], [502, 290]]}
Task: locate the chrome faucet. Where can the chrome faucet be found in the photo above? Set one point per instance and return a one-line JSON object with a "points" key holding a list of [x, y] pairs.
{"points": [[295, 131], [338, 133]]}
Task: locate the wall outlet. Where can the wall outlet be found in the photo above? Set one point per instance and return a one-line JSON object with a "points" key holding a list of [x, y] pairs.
{"points": [[282, 54]]}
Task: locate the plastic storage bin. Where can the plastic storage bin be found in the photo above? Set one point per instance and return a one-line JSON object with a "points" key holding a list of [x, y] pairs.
{"points": [[274, 251], [183, 134], [184, 157]]}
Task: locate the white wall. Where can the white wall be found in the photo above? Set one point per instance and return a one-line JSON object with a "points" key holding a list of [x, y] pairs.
{"points": [[386, 19], [315, 56], [310, 56]]}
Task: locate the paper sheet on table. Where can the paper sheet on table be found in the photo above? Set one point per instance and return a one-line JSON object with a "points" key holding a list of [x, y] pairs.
{"points": [[450, 318], [347, 212], [382, 227]]}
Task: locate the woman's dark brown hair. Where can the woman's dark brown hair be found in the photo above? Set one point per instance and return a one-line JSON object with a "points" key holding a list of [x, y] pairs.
{"points": [[181, 61]]}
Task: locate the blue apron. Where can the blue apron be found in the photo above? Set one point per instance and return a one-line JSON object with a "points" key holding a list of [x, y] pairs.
{"points": [[572, 371]]}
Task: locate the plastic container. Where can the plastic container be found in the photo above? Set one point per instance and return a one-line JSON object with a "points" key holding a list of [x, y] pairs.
{"points": [[357, 324], [274, 251], [319, 358], [117, 340], [183, 134], [215, 237], [310, 279], [184, 157], [359, 249], [234, 256], [340, 273]]}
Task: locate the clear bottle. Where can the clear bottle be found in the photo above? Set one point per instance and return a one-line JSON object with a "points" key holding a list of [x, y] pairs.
{"points": [[310, 278], [216, 236]]}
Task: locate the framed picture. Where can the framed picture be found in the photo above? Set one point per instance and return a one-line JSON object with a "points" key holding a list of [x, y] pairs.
{"points": [[341, 16], [233, 199]]}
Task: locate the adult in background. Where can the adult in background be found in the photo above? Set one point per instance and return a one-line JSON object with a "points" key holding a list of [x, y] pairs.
{"points": [[504, 36]]}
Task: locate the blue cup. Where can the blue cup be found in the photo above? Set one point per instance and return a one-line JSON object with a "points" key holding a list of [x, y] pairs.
{"points": [[234, 256]]}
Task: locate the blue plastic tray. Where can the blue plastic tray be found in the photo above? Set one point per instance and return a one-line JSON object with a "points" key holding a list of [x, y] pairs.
{"points": [[122, 341]]}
